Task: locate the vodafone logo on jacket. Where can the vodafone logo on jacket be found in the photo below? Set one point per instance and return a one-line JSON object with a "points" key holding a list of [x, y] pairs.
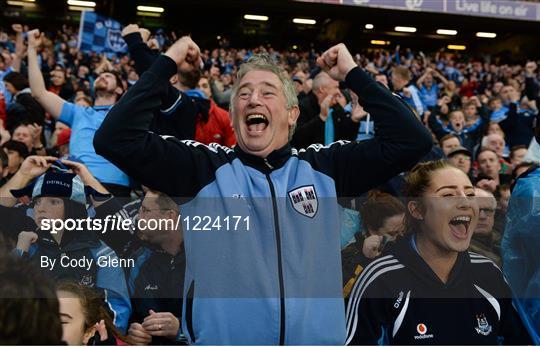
{"points": [[422, 329]]}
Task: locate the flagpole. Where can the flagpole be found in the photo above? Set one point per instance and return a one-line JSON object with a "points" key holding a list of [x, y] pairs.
{"points": [[79, 41]]}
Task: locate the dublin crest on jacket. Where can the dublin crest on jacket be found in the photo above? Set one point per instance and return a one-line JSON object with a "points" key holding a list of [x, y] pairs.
{"points": [[304, 200], [483, 327]]}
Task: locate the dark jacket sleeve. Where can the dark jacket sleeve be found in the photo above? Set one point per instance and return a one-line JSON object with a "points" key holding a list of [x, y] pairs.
{"points": [[14, 220], [508, 124], [435, 125], [309, 133], [367, 313], [116, 237], [531, 88], [177, 168], [346, 128], [139, 51], [144, 57], [399, 143]]}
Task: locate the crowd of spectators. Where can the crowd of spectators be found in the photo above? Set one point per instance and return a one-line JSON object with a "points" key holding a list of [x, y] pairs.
{"points": [[53, 98]]}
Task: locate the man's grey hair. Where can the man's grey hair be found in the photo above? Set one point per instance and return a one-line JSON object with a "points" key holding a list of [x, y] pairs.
{"points": [[263, 61], [321, 80], [485, 139]]}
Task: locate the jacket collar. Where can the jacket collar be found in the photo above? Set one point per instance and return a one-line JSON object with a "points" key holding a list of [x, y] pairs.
{"points": [[406, 253], [274, 161], [71, 240]]}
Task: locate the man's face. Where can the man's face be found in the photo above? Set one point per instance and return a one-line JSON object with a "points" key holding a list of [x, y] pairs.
{"points": [[106, 82], [151, 213], [487, 205], [518, 156], [450, 144], [462, 162], [428, 81], [398, 82], [58, 78], [260, 116], [23, 134], [496, 143], [331, 87], [489, 164], [204, 85], [506, 93], [470, 110]]}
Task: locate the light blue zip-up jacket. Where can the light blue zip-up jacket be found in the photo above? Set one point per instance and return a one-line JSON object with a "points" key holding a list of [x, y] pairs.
{"points": [[278, 279]]}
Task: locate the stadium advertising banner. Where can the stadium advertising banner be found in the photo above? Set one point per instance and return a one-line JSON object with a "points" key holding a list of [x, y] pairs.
{"points": [[484, 8]]}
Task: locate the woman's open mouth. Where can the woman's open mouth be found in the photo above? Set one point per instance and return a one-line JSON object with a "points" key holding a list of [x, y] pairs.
{"points": [[459, 226]]}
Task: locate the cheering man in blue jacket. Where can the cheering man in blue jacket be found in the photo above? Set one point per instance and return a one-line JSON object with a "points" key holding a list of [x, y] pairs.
{"points": [[273, 276]]}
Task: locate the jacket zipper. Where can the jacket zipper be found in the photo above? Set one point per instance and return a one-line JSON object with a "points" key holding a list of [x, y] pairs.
{"points": [[280, 265]]}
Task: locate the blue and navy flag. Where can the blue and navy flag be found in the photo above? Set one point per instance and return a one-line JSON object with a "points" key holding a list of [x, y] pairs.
{"points": [[100, 34]]}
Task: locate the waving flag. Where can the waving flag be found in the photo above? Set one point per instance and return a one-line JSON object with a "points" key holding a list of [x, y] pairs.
{"points": [[100, 34]]}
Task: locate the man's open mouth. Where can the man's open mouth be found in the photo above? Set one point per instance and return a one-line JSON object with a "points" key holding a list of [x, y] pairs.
{"points": [[256, 122], [459, 226]]}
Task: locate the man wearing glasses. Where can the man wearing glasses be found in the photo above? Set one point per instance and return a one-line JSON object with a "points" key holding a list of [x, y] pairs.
{"points": [[486, 240]]}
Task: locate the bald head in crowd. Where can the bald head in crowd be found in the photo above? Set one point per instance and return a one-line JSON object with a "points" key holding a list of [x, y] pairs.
{"points": [[324, 85]]}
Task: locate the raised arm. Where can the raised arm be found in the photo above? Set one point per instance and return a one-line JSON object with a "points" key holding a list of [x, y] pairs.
{"points": [[400, 140], [139, 51], [423, 77], [19, 47], [51, 102], [167, 165], [31, 168]]}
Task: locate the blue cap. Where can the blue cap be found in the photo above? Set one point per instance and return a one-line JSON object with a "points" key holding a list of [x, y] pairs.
{"points": [[56, 182]]}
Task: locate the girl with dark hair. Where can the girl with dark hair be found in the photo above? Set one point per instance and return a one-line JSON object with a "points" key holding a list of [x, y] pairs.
{"points": [[428, 289], [382, 217]]}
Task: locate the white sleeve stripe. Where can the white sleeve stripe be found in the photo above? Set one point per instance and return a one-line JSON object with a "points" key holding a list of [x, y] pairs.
{"points": [[173, 105], [360, 285], [355, 323], [367, 271], [491, 300], [110, 307], [476, 255], [399, 319], [317, 146]]}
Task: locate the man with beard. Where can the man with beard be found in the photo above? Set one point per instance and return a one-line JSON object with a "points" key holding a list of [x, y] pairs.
{"points": [[83, 121]]}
